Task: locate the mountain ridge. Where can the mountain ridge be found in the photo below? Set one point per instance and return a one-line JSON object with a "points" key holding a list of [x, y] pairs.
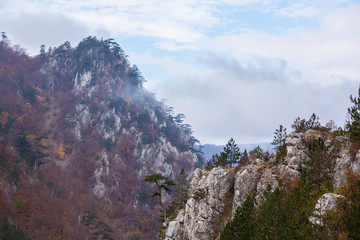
{"points": [[79, 130]]}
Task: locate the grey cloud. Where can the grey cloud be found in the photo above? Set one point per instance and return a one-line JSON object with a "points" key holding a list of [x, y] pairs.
{"points": [[255, 70], [30, 30], [219, 107]]}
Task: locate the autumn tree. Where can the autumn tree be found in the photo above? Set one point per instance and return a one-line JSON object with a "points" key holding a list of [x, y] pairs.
{"points": [[351, 218], [163, 184]]}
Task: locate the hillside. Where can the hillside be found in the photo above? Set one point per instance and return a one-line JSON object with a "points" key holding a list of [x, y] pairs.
{"points": [[78, 134]]}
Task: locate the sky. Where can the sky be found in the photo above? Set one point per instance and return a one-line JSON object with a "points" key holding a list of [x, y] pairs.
{"points": [[236, 68]]}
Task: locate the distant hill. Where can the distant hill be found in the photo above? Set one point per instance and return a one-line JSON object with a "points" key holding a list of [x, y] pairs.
{"points": [[210, 149]]}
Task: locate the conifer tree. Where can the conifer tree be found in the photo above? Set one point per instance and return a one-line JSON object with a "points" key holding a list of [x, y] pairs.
{"points": [[272, 216], [354, 122], [322, 161], [232, 153], [300, 204], [279, 142], [242, 226], [180, 194], [256, 153], [244, 159], [163, 184]]}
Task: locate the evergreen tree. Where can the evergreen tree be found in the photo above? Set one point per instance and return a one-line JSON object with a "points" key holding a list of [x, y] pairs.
{"points": [[257, 153], [9, 231], [98, 228], [279, 142], [210, 164], [180, 195], [42, 52], [244, 159], [301, 125], [242, 226], [272, 216], [300, 204], [354, 122], [322, 161], [232, 153], [163, 184]]}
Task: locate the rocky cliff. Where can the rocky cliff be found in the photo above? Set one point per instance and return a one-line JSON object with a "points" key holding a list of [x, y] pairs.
{"points": [[215, 194]]}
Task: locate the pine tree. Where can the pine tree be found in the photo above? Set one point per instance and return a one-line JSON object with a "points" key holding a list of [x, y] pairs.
{"points": [[242, 226], [322, 161], [257, 153], [232, 153], [244, 159], [272, 216], [279, 142], [180, 195], [300, 204], [354, 122], [163, 184]]}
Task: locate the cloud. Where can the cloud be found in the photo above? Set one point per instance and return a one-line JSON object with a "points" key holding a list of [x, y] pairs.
{"points": [[176, 21], [33, 29], [220, 105], [253, 71], [327, 54]]}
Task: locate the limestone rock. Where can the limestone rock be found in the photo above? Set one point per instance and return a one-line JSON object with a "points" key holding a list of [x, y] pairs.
{"points": [[245, 182], [296, 151], [267, 178], [328, 201], [200, 218], [287, 174], [342, 162]]}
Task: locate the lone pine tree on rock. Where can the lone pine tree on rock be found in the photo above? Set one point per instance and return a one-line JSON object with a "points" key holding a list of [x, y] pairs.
{"points": [[163, 184]]}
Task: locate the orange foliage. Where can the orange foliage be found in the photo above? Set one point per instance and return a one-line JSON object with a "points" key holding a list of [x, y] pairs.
{"points": [[61, 152]]}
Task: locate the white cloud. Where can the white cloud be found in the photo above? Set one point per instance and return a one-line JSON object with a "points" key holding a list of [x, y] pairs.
{"points": [[220, 105], [326, 54]]}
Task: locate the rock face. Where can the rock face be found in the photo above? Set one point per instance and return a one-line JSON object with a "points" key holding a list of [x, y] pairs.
{"points": [[328, 201], [201, 218], [226, 189]]}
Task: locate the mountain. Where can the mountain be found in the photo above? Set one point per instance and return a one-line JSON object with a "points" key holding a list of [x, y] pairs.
{"points": [[211, 149], [78, 134], [313, 192]]}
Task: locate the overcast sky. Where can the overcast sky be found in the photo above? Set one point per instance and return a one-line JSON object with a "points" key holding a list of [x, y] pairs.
{"points": [[235, 68]]}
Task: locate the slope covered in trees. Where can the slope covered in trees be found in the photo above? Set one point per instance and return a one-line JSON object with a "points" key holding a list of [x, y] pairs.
{"points": [[78, 134]]}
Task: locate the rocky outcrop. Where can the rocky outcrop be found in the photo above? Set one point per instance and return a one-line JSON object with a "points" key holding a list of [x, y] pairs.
{"points": [[296, 151], [201, 218], [245, 182], [225, 189], [328, 201]]}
